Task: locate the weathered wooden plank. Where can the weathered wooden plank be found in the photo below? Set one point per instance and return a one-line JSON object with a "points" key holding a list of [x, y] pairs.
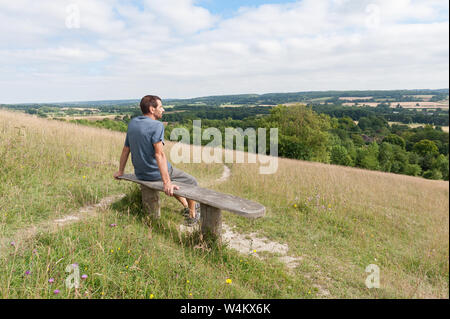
{"points": [[230, 203]]}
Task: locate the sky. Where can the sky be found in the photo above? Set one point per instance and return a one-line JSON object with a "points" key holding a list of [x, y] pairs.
{"points": [[83, 50]]}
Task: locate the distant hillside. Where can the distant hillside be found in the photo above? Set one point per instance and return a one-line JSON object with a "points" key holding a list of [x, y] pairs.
{"points": [[267, 98]]}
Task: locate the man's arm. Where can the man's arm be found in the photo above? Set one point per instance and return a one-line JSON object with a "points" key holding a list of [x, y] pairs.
{"points": [[123, 161], [162, 164]]}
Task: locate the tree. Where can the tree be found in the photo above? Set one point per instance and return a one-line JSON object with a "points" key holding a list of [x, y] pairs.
{"points": [[340, 156], [395, 139], [368, 157], [357, 140], [441, 164], [386, 156], [303, 134], [426, 147], [413, 169], [432, 174]]}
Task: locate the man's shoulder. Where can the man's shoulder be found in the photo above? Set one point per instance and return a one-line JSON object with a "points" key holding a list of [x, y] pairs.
{"points": [[145, 125], [146, 121]]}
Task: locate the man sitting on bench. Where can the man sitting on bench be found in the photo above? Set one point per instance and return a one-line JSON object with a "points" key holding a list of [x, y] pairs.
{"points": [[145, 140]]}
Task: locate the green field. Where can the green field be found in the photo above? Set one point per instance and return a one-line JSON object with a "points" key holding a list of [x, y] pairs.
{"points": [[334, 221]]}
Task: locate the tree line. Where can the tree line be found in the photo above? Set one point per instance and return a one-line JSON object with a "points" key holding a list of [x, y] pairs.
{"points": [[305, 134], [371, 144]]}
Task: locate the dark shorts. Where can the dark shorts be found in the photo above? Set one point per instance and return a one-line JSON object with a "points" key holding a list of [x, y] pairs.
{"points": [[177, 175]]}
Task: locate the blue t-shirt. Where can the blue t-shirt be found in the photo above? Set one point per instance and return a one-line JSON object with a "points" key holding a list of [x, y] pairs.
{"points": [[142, 133]]}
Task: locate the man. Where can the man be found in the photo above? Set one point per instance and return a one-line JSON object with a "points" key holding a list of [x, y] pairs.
{"points": [[145, 140]]}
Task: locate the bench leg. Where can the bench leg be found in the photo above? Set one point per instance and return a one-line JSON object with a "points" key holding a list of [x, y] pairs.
{"points": [[211, 221], [151, 202]]}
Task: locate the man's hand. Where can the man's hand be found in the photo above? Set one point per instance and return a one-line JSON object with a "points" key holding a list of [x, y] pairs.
{"points": [[117, 174], [169, 188], [123, 161]]}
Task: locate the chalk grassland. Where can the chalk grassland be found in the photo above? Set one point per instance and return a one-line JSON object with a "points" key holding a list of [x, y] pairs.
{"points": [[335, 220], [50, 167], [90, 117], [341, 219]]}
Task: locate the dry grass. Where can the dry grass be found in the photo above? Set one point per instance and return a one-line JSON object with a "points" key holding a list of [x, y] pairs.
{"points": [[90, 117], [343, 220], [414, 125], [50, 167], [398, 222]]}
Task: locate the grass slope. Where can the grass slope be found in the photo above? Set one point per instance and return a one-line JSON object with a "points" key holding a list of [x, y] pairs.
{"points": [[338, 220]]}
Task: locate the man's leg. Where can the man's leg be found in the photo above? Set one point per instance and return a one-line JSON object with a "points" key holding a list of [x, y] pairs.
{"points": [[182, 200], [187, 203], [180, 176]]}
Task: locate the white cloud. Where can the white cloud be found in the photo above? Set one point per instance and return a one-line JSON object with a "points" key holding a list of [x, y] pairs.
{"points": [[182, 15], [177, 49]]}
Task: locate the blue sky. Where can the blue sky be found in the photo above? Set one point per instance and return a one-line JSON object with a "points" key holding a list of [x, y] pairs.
{"points": [[229, 8], [75, 50]]}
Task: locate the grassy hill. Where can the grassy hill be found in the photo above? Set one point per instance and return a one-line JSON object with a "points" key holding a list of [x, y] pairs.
{"points": [[334, 220]]}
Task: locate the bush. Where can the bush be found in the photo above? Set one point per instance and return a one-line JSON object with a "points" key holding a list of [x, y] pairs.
{"points": [[395, 139], [432, 174], [441, 164], [340, 156], [413, 170]]}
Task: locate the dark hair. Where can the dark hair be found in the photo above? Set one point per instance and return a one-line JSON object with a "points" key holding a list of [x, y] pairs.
{"points": [[147, 101]]}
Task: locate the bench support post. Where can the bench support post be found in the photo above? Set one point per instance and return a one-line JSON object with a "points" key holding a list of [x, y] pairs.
{"points": [[211, 221], [151, 202]]}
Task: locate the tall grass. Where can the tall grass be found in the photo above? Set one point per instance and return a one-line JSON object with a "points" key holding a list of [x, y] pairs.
{"points": [[336, 220], [342, 219]]}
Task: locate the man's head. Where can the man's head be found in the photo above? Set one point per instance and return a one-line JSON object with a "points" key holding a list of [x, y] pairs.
{"points": [[151, 105]]}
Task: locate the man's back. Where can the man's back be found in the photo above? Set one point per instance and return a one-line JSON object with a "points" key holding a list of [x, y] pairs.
{"points": [[142, 133]]}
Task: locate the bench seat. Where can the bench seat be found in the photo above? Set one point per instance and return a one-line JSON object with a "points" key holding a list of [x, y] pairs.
{"points": [[211, 203]]}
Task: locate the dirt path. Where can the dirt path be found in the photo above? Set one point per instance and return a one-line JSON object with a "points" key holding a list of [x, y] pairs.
{"points": [[22, 235], [254, 244], [247, 244]]}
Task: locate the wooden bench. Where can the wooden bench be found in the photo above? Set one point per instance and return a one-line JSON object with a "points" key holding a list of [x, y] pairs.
{"points": [[211, 203]]}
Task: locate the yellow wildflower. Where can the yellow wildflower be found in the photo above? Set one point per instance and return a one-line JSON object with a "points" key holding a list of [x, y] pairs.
{"points": [[151, 296], [228, 281]]}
